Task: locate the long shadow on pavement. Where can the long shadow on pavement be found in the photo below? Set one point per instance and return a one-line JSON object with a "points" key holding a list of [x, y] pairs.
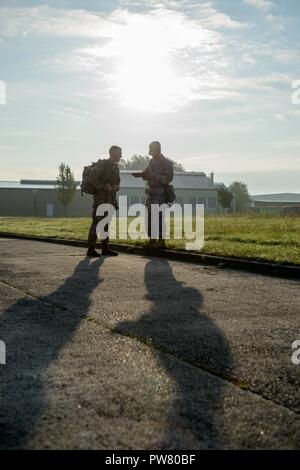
{"points": [[176, 325], [35, 331]]}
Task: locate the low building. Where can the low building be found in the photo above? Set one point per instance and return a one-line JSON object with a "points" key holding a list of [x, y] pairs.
{"points": [[274, 203], [29, 198]]}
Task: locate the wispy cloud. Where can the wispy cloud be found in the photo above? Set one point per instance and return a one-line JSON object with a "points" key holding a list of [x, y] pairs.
{"points": [[161, 58], [210, 17], [9, 148], [157, 59], [73, 113], [47, 21], [263, 5]]}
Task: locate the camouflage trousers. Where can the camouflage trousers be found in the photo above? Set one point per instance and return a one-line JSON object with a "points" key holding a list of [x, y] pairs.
{"points": [[92, 236], [159, 229], [156, 195]]}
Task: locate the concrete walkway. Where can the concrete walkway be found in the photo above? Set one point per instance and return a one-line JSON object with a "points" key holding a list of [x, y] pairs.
{"points": [[140, 353]]}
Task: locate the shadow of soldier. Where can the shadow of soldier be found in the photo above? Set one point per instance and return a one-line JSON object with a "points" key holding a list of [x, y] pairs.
{"points": [[176, 327], [35, 331]]}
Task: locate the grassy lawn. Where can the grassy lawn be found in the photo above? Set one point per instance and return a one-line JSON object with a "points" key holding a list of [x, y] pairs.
{"points": [[259, 237]]}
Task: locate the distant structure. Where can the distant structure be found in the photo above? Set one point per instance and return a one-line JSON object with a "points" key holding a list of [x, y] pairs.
{"points": [[275, 203], [29, 198]]}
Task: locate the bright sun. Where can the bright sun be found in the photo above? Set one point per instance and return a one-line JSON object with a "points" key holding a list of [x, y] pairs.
{"points": [[155, 57], [145, 77]]}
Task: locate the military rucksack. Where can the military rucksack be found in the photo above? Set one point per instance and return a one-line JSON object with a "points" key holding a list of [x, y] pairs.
{"points": [[90, 175]]}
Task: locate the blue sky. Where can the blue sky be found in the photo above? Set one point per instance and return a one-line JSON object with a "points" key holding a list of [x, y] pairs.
{"points": [[212, 80]]}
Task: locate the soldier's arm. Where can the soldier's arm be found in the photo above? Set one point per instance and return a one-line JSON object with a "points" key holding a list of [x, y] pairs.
{"points": [[167, 175], [147, 173], [116, 182]]}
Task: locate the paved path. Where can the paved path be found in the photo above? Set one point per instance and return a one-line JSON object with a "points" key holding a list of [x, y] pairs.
{"points": [[134, 352]]}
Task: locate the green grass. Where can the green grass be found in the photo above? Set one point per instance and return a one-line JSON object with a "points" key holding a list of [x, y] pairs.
{"points": [[259, 237]]}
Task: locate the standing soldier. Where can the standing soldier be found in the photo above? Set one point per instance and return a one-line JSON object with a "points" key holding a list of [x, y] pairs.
{"points": [[107, 184], [158, 174]]}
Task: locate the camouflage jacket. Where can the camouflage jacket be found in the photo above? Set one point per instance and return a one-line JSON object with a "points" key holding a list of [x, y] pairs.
{"points": [[160, 174], [109, 173]]}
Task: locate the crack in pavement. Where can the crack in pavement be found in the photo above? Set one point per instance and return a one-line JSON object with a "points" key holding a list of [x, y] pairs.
{"points": [[159, 348]]}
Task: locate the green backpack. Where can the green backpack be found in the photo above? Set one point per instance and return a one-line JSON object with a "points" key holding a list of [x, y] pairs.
{"points": [[90, 176]]}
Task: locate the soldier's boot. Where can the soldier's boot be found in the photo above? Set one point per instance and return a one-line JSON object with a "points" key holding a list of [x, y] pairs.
{"points": [[161, 244], [92, 253], [106, 250]]}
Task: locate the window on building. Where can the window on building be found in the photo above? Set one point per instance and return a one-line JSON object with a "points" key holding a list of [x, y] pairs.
{"points": [[211, 203], [50, 210], [193, 200], [202, 200], [122, 201], [134, 200]]}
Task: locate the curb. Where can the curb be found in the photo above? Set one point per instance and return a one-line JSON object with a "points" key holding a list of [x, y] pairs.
{"points": [[284, 270]]}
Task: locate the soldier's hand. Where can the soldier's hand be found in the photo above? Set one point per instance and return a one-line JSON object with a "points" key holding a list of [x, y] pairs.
{"points": [[116, 187]]}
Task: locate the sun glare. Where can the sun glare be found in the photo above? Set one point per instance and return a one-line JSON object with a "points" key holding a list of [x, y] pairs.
{"points": [[160, 61], [145, 78]]}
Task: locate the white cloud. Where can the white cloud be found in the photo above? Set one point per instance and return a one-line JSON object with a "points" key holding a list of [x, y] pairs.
{"points": [[157, 60], [45, 20], [223, 162], [209, 16], [286, 145], [71, 112], [264, 82], [279, 117], [263, 5], [9, 148], [279, 22], [258, 51], [212, 18], [160, 59]]}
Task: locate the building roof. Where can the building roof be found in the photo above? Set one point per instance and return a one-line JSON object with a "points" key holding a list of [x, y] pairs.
{"points": [[282, 197], [220, 185], [188, 180], [20, 185]]}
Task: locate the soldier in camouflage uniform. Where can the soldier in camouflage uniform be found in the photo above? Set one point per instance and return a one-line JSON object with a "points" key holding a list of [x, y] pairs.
{"points": [[158, 174], [108, 184]]}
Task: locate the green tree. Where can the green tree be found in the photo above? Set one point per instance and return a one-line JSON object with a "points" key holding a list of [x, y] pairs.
{"points": [[241, 194], [225, 197], [136, 162], [66, 186], [139, 163], [178, 167]]}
